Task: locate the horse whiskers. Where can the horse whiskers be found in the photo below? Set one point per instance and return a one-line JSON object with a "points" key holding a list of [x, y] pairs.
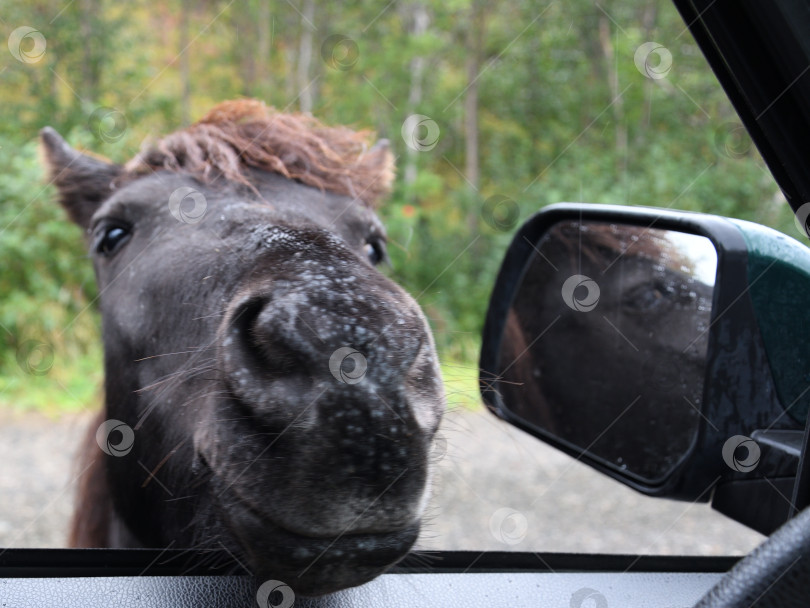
{"points": [[424, 557], [159, 383], [192, 398], [191, 372], [201, 395], [209, 554], [174, 375], [245, 464], [219, 313], [257, 435], [188, 497], [181, 352], [186, 367], [200, 480], [236, 419], [271, 258]]}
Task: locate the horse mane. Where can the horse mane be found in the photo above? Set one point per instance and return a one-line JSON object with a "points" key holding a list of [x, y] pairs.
{"points": [[92, 512], [604, 244], [239, 135]]}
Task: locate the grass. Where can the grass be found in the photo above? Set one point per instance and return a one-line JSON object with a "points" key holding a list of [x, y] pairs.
{"points": [[69, 384], [461, 384], [74, 384]]}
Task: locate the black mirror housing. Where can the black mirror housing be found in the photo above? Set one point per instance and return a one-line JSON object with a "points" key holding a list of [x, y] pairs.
{"points": [[742, 446]]}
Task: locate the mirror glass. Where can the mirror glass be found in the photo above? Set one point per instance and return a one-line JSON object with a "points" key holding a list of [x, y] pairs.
{"points": [[605, 342]]}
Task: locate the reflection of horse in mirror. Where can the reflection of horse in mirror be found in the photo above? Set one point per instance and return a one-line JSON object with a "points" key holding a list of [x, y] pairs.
{"points": [[270, 391], [630, 357]]}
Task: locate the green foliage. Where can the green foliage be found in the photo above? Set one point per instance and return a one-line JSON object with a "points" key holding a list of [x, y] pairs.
{"points": [[564, 114], [47, 288], [45, 278]]}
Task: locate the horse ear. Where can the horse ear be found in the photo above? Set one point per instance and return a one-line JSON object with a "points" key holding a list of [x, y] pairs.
{"points": [[83, 182]]}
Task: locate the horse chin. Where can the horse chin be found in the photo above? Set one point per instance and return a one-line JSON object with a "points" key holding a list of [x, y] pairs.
{"points": [[313, 566]]}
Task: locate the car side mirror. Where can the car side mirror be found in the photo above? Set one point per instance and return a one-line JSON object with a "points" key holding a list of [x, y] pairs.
{"points": [[662, 348]]}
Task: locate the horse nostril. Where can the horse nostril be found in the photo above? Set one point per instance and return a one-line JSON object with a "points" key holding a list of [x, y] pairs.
{"points": [[286, 351], [278, 360], [254, 350]]}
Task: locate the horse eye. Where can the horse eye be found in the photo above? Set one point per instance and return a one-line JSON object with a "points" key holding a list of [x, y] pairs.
{"points": [[112, 238], [375, 251], [645, 298]]}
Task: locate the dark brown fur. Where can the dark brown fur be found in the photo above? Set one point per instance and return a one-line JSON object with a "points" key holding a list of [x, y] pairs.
{"points": [[225, 340], [242, 134], [90, 523], [232, 137]]}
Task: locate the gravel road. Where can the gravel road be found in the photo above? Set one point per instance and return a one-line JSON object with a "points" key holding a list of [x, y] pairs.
{"points": [[495, 488]]}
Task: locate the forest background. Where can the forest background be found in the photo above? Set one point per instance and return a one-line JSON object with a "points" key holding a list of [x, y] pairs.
{"points": [[493, 111]]}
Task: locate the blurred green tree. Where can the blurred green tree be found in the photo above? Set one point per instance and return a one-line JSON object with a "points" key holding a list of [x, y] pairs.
{"points": [[493, 112]]}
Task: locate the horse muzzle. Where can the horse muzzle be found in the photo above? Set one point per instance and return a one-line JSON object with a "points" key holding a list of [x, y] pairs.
{"points": [[320, 450]]}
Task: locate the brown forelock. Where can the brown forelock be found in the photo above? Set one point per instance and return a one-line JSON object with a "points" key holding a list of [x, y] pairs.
{"points": [[236, 136], [605, 243]]}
